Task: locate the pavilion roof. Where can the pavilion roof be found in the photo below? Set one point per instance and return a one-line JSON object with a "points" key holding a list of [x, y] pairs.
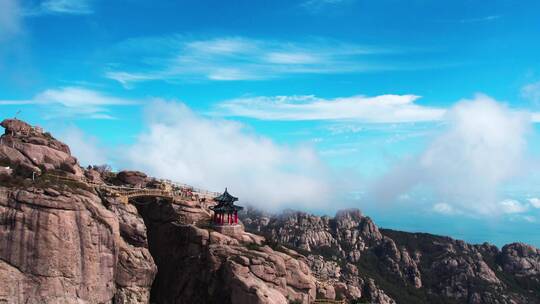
{"points": [[226, 203], [225, 198], [226, 208]]}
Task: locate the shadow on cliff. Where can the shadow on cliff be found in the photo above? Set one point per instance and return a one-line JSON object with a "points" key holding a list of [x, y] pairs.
{"points": [[182, 260]]}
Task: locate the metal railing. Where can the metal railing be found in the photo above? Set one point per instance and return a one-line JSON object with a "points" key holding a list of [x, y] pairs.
{"points": [[189, 187], [129, 192]]}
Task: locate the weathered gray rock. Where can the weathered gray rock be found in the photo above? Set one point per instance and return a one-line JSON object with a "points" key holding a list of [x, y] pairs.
{"points": [[454, 269], [521, 260]]}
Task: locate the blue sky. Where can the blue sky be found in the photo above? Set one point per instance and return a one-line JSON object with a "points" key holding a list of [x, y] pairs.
{"points": [[421, 113]]}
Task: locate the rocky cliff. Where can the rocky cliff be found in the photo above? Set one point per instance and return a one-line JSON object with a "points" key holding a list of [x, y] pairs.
{"points": [[69, 235], [349, 250]]}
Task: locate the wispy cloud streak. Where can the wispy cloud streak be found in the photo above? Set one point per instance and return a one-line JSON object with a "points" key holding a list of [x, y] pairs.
{"points": [[238, 58], [378, 109], [73, 102], [57, 7], [316, 6], [386, 108]]}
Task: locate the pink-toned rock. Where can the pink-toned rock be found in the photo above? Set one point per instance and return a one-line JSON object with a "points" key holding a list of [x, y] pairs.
{"points": [[93, 176], [17, 161], [6, 171], [55, 249], [15, 126], [216, 267], [41, 155], [134, 178], [325, 291], [29, 151]]}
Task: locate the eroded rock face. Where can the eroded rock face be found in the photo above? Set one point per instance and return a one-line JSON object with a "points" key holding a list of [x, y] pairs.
{"points": [[68, 242], [345, 236], [136, 269], [61, 242], [133, 178], [205, 266], [54, 250], [29, 151], [435, 268], [521, 259], [340, 239]]}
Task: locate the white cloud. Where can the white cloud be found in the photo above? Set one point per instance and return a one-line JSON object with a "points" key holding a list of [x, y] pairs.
{"points": [[445, 208], [378, 109], [535, 202], [480, 19], [214, 154], [10, 19], [531, 91], [176, 57], [315, 6], [57, 7], [529, 218], [85, 148], [465, 166], [292, 58], [512, 206], [73, 101]]}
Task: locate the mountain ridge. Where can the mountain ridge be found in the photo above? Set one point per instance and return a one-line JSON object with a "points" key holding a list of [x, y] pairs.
{"points": [[410, 267], [67, 236]]}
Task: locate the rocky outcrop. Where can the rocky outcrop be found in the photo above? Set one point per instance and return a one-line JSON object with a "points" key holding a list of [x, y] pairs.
{"points": [[64, 241], [30, 152], [205, 266], [345, 236], [64, 238], [58, 246], [133, 178], [136, 268], [521, 260], [327, 241], [420, 268], [68, 245]]}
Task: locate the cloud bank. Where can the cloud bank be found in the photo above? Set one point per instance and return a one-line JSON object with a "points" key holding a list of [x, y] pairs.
{"points": [[213, 154], [483, 147], [85, 148]]}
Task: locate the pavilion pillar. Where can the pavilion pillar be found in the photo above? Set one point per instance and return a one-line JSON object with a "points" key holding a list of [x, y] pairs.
{"points": [[235, 217]]}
